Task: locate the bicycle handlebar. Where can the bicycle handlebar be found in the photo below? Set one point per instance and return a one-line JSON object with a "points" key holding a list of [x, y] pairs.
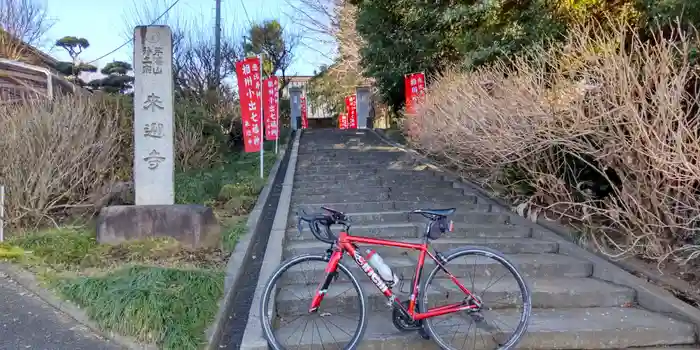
{"points": [[317, 222]]}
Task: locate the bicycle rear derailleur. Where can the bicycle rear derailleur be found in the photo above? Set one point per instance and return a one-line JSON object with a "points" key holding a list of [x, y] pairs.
{"points": [[407, 325]]}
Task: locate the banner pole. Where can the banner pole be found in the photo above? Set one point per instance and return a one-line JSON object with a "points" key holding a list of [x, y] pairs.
{"points": [[262, 125], [277, 113]]}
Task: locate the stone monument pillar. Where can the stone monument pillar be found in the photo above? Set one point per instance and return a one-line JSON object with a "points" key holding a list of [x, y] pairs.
{"points": [[153, 116], [154, 213]]}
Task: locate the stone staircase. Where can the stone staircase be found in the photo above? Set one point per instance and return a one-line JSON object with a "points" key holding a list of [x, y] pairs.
{"points": [[355, 172]]}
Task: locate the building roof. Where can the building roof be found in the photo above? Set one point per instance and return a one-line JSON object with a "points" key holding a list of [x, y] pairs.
{"points": [[299, 78], [45, 59]]}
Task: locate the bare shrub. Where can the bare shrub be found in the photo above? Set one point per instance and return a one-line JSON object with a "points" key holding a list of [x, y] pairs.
{"points": [[22, 22], [199, 137], [54, 156], [60, 158], [602, 131]]}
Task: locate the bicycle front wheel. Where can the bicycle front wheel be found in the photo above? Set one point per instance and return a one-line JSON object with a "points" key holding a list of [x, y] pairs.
{"points": [[338, 323], [498, 294]]}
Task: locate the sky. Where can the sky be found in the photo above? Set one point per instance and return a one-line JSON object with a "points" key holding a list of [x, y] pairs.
{"points": [[103, 24]]}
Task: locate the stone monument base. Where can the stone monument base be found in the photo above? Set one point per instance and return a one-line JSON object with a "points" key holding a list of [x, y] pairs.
{"points": [[193, 225]]}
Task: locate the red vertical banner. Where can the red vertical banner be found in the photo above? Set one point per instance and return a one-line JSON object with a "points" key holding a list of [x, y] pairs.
{"points": [[249, 92], [304, 117], [414, 85], [351, 109], [342, 121], [271, 105]]}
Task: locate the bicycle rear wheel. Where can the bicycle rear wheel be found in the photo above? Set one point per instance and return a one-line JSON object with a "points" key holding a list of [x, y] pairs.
{"points": [[503, 301], [340, 320]]}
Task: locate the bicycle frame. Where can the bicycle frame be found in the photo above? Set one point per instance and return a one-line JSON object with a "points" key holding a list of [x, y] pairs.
{"points": [[347, 244]]}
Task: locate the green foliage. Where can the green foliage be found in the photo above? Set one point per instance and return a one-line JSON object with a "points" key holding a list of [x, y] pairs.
{"points": [[329, 88], [169, 307], [116, 67], [66, 247], [268, 39], [404, 36], [237, 176], [234, 228], [74, 70], [73, 45], [117, 79]]}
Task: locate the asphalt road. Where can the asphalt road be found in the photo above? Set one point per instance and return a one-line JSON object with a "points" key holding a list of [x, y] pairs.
{"points": [[27, 322]]}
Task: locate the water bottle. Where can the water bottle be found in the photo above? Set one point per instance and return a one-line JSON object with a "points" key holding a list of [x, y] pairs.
{"points": [[382, 269]]}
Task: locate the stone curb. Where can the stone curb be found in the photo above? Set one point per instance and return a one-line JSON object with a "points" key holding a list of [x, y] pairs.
{"points": [[649, 296], [253, 337], [27, 280], [240, 254]]}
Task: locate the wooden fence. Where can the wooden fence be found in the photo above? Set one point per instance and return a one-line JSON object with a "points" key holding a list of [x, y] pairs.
{"points": [[21, 81]]}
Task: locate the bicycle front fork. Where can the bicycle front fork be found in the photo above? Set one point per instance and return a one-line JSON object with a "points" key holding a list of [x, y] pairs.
{"points": [[321, 291], [331, 274]]}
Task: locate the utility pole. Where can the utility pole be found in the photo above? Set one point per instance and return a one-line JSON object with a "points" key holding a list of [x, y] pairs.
{"points": [[217, 47]]}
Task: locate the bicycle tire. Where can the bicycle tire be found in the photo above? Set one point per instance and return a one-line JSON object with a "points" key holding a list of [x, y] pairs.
{"points": [[524, 289], [266, 320]]}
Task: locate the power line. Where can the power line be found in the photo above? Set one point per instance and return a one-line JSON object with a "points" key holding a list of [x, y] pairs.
{"points": [[132, 39], [246, 12]]}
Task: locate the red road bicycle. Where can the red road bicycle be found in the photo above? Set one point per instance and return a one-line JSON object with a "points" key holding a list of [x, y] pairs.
{"points": [[412, 315]]}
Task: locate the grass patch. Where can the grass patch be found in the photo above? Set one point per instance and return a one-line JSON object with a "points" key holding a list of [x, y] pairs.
{"points": [[10, 252], [61, 249], [168, 307], [155, 290], [233, 229], [203, 186], [75, 249]]}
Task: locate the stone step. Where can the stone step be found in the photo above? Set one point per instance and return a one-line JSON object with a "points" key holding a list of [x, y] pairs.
{"points": [[426, 197], [374, 185], [328, 151], [471, 217], [496, 294], [351, 207], [529, 265], [436, 189], [394, 165], [503, 245], [354, 156], [370, 180], [301, 176], [415, 230], [578, 328], [373, 162], [372, 218], [339, 198]]}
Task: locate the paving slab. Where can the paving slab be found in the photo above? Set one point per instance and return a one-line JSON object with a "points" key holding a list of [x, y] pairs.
{"points": [[27, 322]]}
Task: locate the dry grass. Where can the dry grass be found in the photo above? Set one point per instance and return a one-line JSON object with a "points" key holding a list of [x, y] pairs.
{"points": [[602, 131], [56, 155], [60, 158]]}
